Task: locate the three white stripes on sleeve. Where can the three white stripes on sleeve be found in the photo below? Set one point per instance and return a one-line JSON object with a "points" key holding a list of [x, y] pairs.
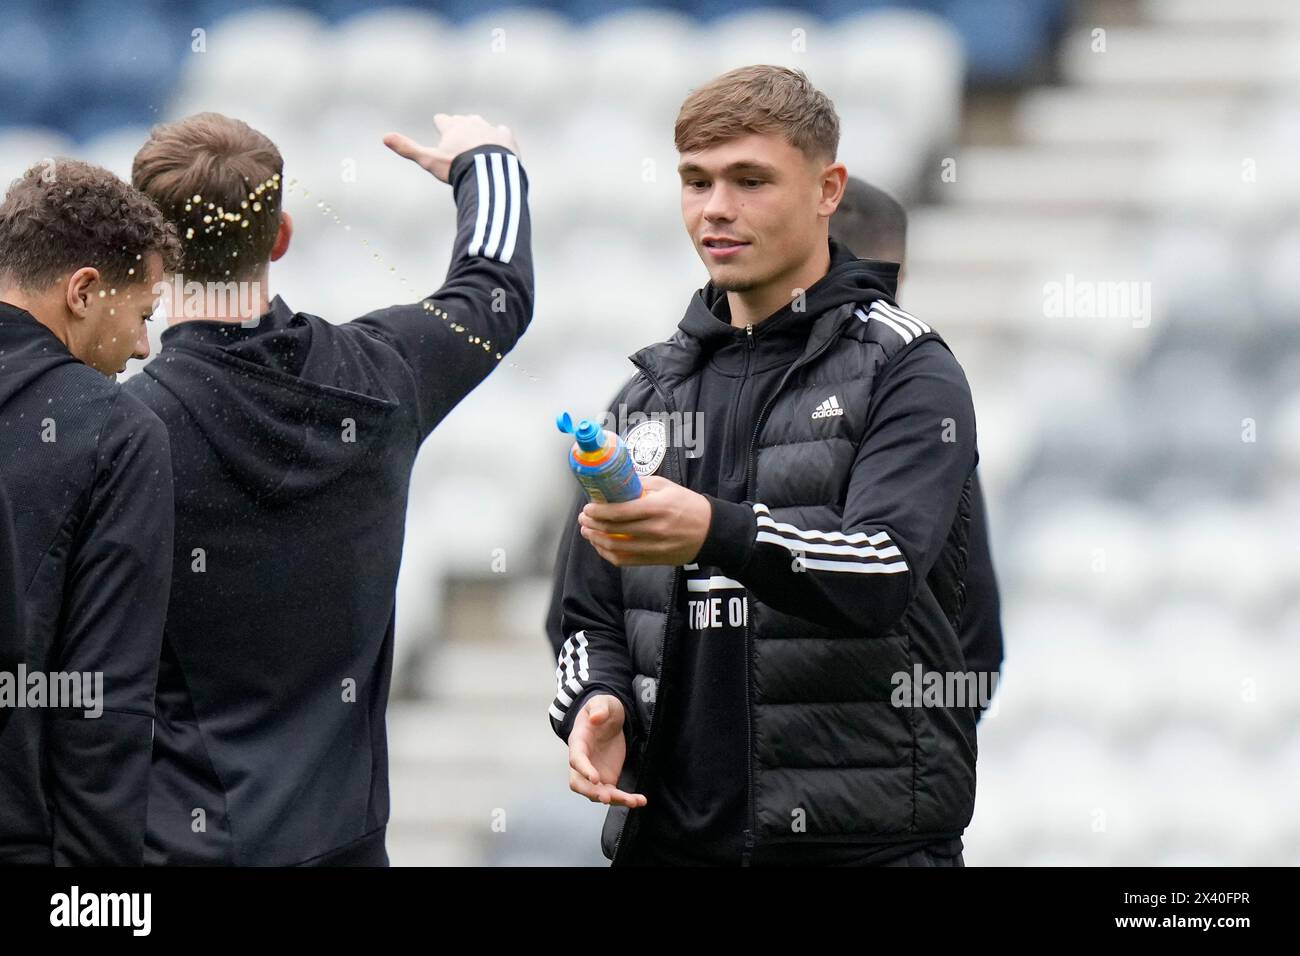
{"points": [[906, 325], [570, 672], [862, 553], [498, 188]]}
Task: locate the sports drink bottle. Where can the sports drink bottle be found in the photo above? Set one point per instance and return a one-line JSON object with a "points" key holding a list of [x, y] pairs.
{"points": [[600, 461]]}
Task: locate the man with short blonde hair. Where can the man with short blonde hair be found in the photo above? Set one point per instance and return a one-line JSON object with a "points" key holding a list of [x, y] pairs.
{"points": [[734, 638], [293, 442]]}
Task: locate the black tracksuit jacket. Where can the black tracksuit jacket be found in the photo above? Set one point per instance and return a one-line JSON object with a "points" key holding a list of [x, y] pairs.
{"points": [[981, 621], [88, 474], [838, 451], [293, 443]]}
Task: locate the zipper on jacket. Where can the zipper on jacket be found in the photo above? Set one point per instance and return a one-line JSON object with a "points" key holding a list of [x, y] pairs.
{"points": [[726, 473], [663, 638]]}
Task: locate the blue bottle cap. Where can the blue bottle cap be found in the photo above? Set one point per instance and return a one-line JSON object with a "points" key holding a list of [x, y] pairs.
{"points": [[590, 435]]}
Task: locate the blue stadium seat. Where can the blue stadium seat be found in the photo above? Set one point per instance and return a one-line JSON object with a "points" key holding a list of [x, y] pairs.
{"points": [[30, 71], [1005, 39]]}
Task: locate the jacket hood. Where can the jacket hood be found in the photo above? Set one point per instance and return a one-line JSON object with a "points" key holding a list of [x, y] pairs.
{"points": [[251, 393], [27, 351]]}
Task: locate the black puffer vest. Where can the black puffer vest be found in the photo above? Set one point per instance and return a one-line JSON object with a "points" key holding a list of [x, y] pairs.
{"points": [[888, 774]]}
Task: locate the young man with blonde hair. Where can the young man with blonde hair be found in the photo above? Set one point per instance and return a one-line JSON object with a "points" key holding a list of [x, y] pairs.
{"points": [[735, 639], [293, 440]]}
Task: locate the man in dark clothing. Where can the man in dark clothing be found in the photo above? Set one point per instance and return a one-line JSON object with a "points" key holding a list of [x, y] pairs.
{"points": [[873, 225], [87, 470], [740, 641], [293, 441]]}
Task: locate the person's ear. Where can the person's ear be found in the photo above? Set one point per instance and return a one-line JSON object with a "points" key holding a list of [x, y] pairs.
{"points": [[82, 287], [834, 179], [283, 236]]}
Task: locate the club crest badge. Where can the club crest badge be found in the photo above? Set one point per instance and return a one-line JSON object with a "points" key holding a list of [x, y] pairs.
{"points": [[647, 443]]}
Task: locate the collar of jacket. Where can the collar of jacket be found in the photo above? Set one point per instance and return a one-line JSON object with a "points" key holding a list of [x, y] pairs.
{"points": [[20, 325], [849, 281], [223, 332], [28, 349]]}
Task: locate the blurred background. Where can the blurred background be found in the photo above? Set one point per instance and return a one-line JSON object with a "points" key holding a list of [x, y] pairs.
{"points": [[1103, 201]]}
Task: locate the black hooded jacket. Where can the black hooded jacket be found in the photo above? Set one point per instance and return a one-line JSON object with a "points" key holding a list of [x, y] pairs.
{"points": [[88, 475], [838, 448], [11, 597], [293, 443], [981, 622]]}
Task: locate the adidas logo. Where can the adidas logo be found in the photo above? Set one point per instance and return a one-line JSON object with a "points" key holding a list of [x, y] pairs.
{"points": [[828, 408]]}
